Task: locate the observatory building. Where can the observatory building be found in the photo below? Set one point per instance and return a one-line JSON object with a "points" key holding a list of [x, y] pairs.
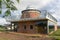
{"points": [[35, 21]]}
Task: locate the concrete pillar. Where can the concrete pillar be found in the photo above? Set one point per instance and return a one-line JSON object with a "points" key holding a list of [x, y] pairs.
{"points": [[47, 28], [55, 27]]}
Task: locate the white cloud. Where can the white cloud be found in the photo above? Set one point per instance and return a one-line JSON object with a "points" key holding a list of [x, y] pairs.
{"points": [[51, 5], [54, 7], [35, 3], [3, 21]]}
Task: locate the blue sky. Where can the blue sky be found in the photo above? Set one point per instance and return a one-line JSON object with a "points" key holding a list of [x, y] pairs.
{"points": [[52, 6]]}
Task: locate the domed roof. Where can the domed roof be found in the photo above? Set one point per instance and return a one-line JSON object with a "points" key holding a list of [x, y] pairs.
{"points": [[31, 7]]}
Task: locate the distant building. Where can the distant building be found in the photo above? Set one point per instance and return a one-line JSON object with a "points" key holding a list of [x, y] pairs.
{"points": [[34, 21]]}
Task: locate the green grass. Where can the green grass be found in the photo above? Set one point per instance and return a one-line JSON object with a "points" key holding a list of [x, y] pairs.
{"points": [[56, 34], [50, 30], [2, 29]]}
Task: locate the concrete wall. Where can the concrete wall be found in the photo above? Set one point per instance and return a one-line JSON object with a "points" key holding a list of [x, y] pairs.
{"points": [[27, 30], [30, 14]]}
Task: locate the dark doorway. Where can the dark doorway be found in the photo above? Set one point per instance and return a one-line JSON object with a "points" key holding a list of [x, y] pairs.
{"points": [[42, 27]]}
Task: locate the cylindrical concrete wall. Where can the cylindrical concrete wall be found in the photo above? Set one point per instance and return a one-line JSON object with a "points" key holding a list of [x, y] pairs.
{"points": [[30, 13]]}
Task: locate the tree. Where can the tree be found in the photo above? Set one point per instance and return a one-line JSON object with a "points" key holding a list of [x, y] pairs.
{"points": [[0, 6], [9, 5]]}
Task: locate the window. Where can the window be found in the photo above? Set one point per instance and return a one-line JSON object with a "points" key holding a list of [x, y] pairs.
{"points": [[24, 26], [31, 26]]}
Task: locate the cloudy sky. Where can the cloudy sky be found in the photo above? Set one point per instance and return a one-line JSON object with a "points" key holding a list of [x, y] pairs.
{"points": [[52, 6]]}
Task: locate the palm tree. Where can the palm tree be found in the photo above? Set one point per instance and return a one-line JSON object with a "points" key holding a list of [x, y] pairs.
{"points": [[9, 5]]}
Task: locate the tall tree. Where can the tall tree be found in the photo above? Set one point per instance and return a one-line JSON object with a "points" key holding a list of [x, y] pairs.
{"points": [[10, 6], [0, 6]]}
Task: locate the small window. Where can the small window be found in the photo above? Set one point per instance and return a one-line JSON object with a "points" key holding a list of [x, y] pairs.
{"points": [[31, 26], [24, 26]]}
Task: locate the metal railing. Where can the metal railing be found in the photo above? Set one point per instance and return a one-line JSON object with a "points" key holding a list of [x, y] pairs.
{"points": [[42, 16], [51, 17]]}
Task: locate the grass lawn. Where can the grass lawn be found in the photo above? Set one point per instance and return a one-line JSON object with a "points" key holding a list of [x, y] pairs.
{"points": [[56, 34]]}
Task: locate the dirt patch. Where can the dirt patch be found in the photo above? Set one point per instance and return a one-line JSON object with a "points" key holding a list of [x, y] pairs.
{"points": [[17, 36]]}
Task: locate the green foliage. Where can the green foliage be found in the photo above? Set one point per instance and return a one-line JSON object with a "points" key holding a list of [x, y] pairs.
{"points": [[13, 8], [56, 34], [10, 5], [0, 3], [1, 26], [0, 11], [0, 0], [8, 0], [17, 0], [7, 6], [7, 13]]}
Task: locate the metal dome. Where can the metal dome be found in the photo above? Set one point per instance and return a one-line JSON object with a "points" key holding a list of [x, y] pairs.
{"points": [[31, 7]]}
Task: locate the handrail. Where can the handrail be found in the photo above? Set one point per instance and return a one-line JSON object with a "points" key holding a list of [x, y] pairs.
{"points": [[42, 16], [51, 17]]}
